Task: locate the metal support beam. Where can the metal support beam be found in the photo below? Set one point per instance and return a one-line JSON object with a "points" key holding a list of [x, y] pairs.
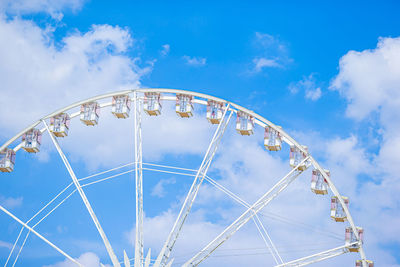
{"points": [[139, 183], [148, 258], [247, 215], [327, 254], [127, 262], [39, 235], [267, 239], [84, 198], [259, 225], [191, 196]]}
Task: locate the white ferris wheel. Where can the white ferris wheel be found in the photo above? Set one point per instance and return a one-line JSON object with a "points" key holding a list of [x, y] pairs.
{"points": [[219, 112]]}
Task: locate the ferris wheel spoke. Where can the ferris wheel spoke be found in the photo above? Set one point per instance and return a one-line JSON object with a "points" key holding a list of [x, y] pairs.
{"points": [[324, 255], [33, 217], [191, 196], [84, 198], [139, 183], [248, 214], [263, 232], [36, 224], [39, 235], [20, 249], [258, 223], [13, 247]]}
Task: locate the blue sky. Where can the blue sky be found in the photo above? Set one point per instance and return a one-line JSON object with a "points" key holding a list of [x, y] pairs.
{"points": [[328, 73]]}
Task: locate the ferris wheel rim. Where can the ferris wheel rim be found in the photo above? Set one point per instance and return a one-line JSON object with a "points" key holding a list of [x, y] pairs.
{"points": [[260, 120]]}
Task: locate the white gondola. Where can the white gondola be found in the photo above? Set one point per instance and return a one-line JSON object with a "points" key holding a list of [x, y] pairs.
{"points": [[90, 113], [7, 160], [244, 123], [59, 125], [215, 110], [350, 238], [121, 106], [184, 105], [319, 185], [31, 140], [152, 103], [297, 156], [369, 263], [272, 139], [337, 211]]}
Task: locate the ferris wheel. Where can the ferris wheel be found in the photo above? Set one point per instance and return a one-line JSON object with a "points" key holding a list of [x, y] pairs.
{"points": [[219, 113]]}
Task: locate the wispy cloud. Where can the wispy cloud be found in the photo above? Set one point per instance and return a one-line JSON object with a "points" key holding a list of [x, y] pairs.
{"points": [[11, 202], [272, 53], [53, 8], [4, 244], [313, 95], [195, 61], [309, 86], [165, 50], [260, 63], [159, 189]]}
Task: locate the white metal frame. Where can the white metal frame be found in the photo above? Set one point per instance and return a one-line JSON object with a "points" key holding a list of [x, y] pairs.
{"points": [[198, 99], [139, 183]]}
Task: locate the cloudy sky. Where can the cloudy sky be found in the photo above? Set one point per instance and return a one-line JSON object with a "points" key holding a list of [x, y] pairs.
{"points": [[329, 74]]}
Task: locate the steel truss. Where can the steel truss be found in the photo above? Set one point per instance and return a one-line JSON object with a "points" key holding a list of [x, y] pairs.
{"points": [[139, 183], [71, 172], [191, 196], [247, 215]]}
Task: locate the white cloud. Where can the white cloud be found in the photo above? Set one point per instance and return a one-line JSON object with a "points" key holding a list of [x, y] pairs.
{"points": [[165, 50], [54, 8], [39, 76], [273, 53], [369, 80], [270, 42], [309, 85], [313, 95], [159, 189], [11, 202], [260, 63], [88, 259], [87, 64], [4, 244], [195, 61]]}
